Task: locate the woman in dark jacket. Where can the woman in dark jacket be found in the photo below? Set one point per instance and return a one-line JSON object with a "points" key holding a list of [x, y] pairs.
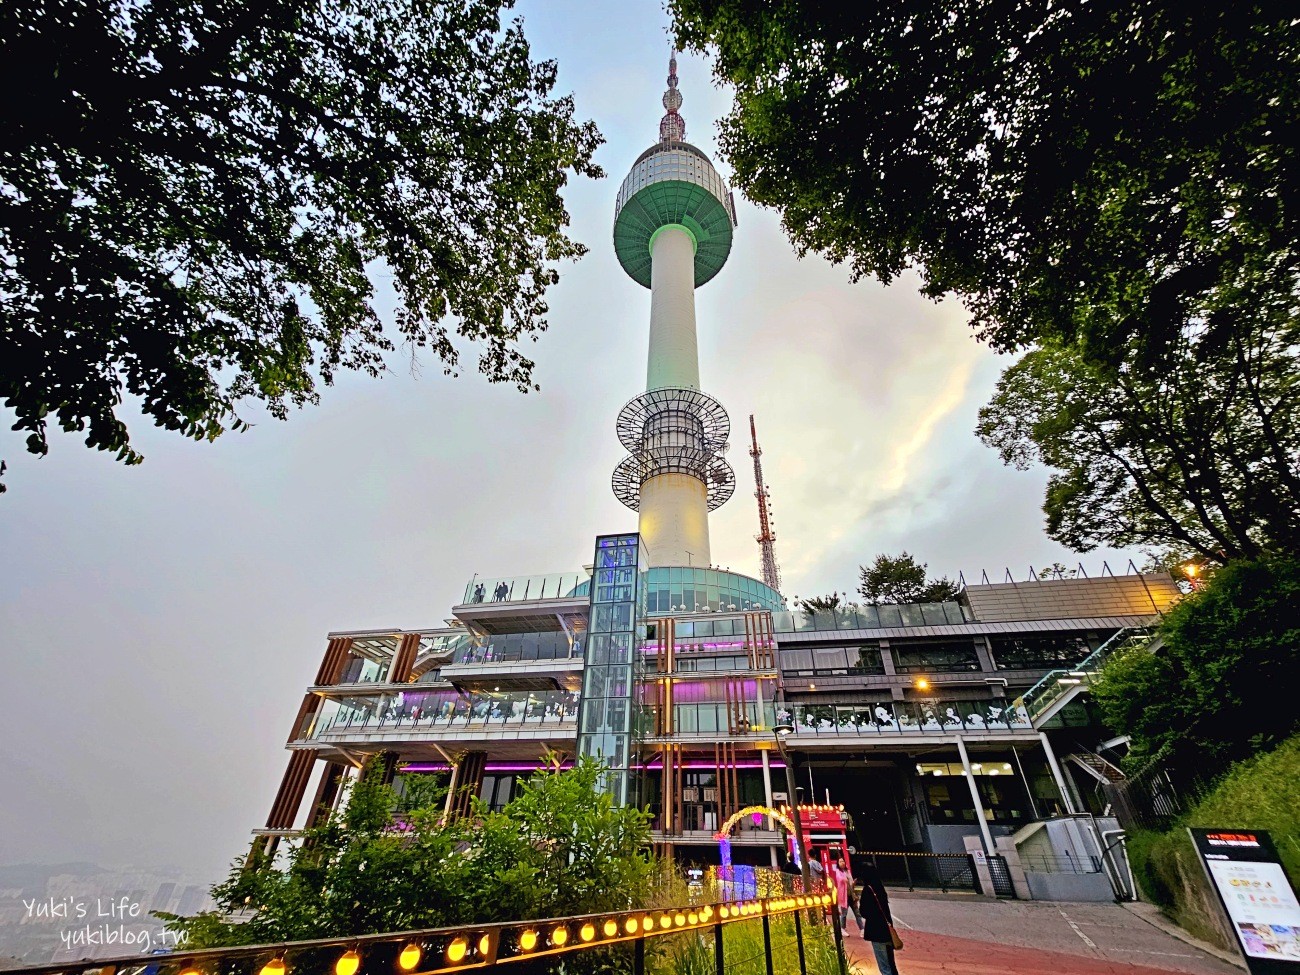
{"points": [[873, 909]]}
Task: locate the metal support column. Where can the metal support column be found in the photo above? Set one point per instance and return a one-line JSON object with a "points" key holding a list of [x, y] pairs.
{"points": [[975, 796], [1062, 786]]}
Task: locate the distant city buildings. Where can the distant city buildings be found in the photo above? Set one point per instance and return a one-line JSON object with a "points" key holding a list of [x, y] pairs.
{"points": [[59, 913]]}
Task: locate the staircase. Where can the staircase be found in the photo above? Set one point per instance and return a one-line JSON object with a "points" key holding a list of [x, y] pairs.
{"points": [[1097, 767], [1059, 687]]}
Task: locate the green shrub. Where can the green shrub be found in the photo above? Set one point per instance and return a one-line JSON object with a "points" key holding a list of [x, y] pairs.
{"points": [[1263, 794]]}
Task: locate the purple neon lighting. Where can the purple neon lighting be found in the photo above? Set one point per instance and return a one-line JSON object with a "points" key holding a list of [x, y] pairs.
{"points": [[520, 767]]}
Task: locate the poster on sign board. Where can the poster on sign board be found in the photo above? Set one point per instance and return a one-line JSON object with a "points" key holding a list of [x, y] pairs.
{"points": [[1255, 894]]}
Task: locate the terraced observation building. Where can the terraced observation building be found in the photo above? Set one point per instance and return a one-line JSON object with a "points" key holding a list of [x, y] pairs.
{"points": [[929, 723]]}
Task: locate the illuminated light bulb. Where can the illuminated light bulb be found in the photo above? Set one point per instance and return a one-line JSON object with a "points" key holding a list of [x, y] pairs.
{"points": [[483, 944], [630, 925], [679, 920], [528, 941], [457, 950], [706, 912], [724, 912], [610, 928], [560, 936], [587, 932], [693, 918], [410, 957], [665, 921], [273, 967], [347, 964], [647, 923]]}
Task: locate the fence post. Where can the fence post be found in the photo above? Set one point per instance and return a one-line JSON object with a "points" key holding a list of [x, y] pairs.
{"points": [[798, 937], [767, 943], [638, 957], [719, 967], [839, 943]]}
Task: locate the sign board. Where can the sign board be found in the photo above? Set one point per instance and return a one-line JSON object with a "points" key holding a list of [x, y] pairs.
{"points": [[1253, 890]]}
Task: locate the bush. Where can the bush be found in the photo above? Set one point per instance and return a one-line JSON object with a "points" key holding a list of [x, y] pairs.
{"points": [[1221, 689], [1263, 794]]}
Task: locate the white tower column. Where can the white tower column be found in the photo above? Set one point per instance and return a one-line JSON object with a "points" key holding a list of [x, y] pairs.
{"points": [[674, 356]]}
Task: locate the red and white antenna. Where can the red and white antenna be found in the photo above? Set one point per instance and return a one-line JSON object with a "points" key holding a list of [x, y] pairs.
{"points": [[766, 538]]}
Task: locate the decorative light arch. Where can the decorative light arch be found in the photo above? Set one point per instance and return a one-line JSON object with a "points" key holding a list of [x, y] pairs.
{"points": [[723, 835], [780, 817]]}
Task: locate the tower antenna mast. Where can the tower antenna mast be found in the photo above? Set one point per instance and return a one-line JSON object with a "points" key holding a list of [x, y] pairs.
{"points": [[766, 538]]}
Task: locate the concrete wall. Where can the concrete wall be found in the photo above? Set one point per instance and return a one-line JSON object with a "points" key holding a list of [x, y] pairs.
{"points": [[1069, 887], [952, 839]]}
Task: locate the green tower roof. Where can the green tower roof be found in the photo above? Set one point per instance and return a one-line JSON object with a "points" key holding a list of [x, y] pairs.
{"points": [[673, 183]]}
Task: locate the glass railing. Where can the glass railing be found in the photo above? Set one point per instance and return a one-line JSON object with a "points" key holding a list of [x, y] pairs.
{"points": [[870, 617], [556, 585], [903, 717], [517, 647], [442, 709], [849, 720], [1055, 684]]}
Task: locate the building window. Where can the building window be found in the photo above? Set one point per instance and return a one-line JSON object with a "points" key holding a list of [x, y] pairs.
{"points": [[1061, 650], [935, 658]]}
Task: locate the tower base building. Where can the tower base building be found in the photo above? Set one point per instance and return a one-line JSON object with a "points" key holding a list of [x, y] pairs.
{"points": [[932, 725]]}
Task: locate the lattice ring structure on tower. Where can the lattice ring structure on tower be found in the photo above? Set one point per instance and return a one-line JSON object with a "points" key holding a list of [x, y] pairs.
{"points": [[673, 183], [673, 430], [655, 411], [635, 469]]}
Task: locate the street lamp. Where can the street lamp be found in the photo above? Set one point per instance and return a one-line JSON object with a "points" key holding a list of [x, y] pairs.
{"points": [[779, 733]]}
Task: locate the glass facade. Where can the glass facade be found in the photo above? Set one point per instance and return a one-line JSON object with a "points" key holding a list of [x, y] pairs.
{"points": [[605, 720], [673, 590]]}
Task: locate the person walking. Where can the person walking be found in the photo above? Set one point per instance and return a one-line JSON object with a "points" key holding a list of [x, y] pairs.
{"points": [[877, 922], [843, 881]]}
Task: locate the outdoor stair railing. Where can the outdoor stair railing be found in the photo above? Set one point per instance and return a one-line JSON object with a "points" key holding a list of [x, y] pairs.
{"points": [[1056, 687], [481, 947]]}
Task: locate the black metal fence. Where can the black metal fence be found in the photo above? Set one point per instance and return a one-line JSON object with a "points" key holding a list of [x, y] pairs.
{"points": [[786, 934], [1000, 876], [941, 871]]}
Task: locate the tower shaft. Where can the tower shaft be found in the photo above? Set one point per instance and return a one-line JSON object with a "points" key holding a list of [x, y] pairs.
{"points": [[674, 355]]}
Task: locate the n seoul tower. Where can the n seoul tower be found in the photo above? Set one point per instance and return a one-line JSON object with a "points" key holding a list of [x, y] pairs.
{"points": [[673, 222]]}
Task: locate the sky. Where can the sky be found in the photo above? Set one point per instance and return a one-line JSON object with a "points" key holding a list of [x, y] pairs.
{"points": [[158, 624]]}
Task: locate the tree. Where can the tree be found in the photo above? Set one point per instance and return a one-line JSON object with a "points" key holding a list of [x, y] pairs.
{"points": [[1198, 454], [197, 198], [560, 847], [901, 579], [1100, 172], [819, 604], [1220, 689]]}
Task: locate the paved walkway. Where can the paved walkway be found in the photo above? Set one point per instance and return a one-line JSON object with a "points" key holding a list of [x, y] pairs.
{"points": [[978, 937]]}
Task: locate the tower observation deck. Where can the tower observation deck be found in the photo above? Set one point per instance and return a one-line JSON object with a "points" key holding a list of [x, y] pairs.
{"points": [[673, 222]]}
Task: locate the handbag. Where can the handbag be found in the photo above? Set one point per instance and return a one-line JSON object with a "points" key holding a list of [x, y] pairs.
{"points": [[894, 938]]}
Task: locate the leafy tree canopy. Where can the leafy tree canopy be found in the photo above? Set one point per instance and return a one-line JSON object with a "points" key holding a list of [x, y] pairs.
{"points": [[195, 198], [820, 604], [1222, 686], [902, 579], [558, 848], [1093, 171], [1198, 455]]}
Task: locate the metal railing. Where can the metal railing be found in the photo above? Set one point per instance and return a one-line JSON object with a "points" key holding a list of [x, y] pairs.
{"points": [[944, 871], [708, 932], [1055, 684], [1051, 863], [513, 589]]}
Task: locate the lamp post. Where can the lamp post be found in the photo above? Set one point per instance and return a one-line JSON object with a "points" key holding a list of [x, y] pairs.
{"points": [[779, 732]]}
